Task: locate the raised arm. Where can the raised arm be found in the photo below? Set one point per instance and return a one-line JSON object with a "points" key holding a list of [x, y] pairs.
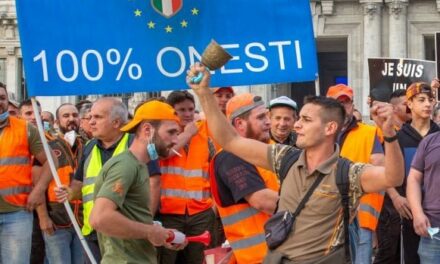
{"points": [[378, 178], [252, 151]]}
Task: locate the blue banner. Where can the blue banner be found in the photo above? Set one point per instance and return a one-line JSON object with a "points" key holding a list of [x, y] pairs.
{"points": [[74, 47]]}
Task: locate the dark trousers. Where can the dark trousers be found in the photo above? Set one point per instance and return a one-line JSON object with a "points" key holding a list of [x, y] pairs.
{"points": [[388, 236], [191, 226], [410, 242], [92, 242]]}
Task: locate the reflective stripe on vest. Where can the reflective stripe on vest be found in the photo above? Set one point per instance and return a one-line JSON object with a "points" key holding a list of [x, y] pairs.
{"points": [[369, 209], [357, 147], [183, 172], [92, 167], [14, 161], [184, 181], [248, 242], [243, 224], [15, 190], [239, 216], [179, 193]]}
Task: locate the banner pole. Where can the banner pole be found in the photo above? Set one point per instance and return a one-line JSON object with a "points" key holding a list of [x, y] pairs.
{"points": [[55, 176]]}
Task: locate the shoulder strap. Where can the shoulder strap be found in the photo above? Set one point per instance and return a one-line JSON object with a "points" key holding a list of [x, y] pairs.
{"points": [[288, 160], [308, 194], [342, 171], [89, 146]]}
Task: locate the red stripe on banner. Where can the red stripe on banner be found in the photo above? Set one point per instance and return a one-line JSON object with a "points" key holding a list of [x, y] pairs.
{"points": [[176, 5]]}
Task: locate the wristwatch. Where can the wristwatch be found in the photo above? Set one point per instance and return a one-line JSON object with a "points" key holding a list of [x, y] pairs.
{"points": [[390, 139]]}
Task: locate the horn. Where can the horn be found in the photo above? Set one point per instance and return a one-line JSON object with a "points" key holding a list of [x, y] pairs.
{"points": [[204, 238]]}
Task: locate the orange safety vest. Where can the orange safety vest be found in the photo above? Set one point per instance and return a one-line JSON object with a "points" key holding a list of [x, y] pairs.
{"points": [[184, 181], [15, 163], [357, 147], [243, 224], [65, 167]]}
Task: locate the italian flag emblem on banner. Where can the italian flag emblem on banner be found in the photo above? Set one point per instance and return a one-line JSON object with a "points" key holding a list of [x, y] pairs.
{"points": [[167, 8]]}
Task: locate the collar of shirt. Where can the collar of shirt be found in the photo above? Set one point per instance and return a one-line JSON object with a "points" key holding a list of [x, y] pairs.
{"points": [[112, 147], [324, 168]]}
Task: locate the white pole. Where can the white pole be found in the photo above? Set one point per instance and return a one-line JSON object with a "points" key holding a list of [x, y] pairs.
{"points": [[55, 176], [317, 88]]}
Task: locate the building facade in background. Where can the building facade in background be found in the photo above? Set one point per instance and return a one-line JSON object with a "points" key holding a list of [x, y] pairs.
{"points": [[347, 33]]}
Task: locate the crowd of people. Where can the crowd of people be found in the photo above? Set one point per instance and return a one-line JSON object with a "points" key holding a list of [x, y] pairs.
{"points": [[354, 191]]}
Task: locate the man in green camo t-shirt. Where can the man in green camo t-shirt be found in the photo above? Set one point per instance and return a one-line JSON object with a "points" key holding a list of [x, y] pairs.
{"points": [[121, 213]]}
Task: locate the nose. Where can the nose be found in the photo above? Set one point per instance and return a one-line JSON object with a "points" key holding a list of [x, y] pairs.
{"points": [[174, 140], [296, 125], [91, 121]]}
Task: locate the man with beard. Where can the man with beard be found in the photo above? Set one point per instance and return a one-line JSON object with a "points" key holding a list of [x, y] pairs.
{"points": [[53, 233], [185, 202], [68, 125], [121, 214], [245, 195]]}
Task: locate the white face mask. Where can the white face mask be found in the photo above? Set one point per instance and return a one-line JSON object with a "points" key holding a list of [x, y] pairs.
{"points": [[151, 148], [432, 231], [70, 137]]}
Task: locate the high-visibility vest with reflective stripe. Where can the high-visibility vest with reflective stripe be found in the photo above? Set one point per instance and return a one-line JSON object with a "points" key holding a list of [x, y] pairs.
{"points": [[185, 181], [15, 163], [92, 167], [66, 164], [357, 147], [243, 224]]}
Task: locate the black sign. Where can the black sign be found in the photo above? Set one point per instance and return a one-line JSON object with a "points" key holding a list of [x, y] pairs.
{"points": [[388, 75]]}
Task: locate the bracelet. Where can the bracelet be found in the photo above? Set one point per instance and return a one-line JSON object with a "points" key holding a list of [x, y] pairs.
{"points": [[390, 139]]}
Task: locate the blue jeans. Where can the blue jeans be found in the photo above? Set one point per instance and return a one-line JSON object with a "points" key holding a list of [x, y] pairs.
{"points": [[361, 243], [15, 237], [63, 246], [429, 250]]}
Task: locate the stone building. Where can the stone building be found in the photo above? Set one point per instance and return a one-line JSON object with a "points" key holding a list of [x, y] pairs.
{"points": [[347, 33]]}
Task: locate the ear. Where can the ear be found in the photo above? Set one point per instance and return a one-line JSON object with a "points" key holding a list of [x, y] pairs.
{"points": [[239, 123], [331, 128], [409, 104]]}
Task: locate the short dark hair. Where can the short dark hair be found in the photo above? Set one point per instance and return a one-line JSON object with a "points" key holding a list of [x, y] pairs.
{"points": [[398, 93], [332, 110], [57, 112], [177, 97], [52, 118], [27, 102]]}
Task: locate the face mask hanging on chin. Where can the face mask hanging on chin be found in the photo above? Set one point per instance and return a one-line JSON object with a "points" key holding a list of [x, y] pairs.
{"points": [[4, 116]]}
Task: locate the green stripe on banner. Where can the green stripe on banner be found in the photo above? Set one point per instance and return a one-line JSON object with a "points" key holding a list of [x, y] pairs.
{"points": [[158, 5]]}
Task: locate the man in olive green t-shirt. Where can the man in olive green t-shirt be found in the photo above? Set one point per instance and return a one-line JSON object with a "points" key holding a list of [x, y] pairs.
{"points": [[121, 213]]}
